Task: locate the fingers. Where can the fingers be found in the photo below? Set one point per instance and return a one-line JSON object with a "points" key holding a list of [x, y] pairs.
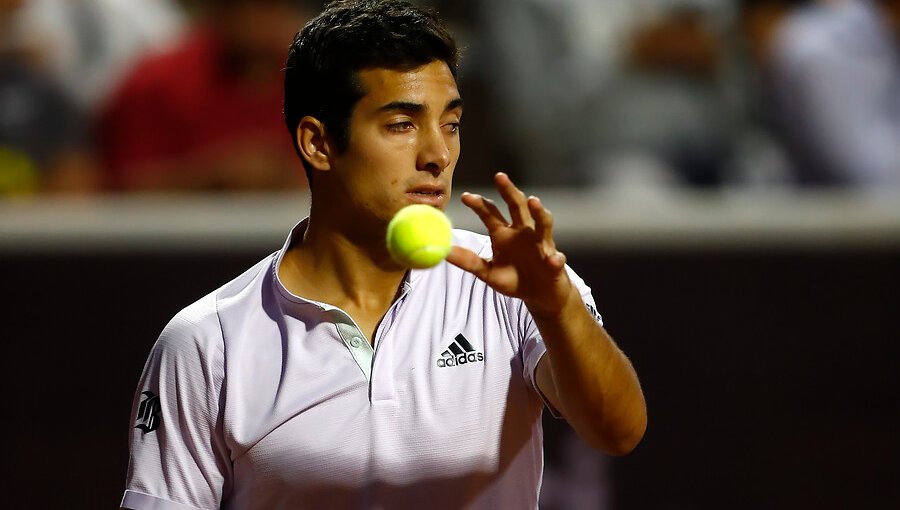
{"points": [[468, 260], [483, 269], [491, 215], [486, 210], [557, 260], [543, 221], [543, 227], [525, 212], [515, 200]]}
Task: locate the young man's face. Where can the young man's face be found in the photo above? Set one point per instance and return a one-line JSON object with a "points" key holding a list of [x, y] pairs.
{"points": [[404, 142]]}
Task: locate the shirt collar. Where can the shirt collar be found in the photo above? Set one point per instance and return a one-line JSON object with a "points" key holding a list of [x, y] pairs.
{"points": [[294, 236]]}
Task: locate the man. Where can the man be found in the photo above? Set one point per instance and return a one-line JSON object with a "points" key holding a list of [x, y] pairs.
{"points": [[328, 377]]}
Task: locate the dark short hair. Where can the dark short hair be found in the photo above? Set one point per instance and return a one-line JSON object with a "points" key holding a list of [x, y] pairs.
{"points": [[349, 36]]}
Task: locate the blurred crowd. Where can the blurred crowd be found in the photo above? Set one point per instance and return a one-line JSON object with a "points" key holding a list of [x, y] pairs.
{"points": [[145, 95]]}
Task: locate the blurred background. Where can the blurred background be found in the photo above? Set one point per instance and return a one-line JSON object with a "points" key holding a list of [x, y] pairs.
{"points": [[725, 175]]}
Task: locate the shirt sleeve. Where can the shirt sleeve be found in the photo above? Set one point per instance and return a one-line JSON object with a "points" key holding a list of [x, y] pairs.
{"points": [[179, 459], [533, 347]]}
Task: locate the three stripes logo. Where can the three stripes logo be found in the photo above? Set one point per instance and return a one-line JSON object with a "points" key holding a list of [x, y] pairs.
{"points": [[460, 352]]}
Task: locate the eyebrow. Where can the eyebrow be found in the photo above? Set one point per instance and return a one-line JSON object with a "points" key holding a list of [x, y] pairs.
{"points": [[406, 106]]}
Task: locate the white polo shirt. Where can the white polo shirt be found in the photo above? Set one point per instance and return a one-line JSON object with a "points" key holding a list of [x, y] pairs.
{"points": [[255, 398]]}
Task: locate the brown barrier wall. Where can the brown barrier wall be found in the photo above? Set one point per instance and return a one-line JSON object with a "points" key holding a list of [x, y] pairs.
{"points": [[771, 376]]}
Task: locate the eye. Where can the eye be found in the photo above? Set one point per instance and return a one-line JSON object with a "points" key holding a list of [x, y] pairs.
{"points": [[400, 127], [453, 127]]}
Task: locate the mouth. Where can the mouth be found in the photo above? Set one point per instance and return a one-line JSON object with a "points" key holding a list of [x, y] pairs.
{"points": [[431, 195]]}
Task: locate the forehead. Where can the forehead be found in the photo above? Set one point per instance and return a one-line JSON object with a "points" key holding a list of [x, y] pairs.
{"points": [[430, 83]]}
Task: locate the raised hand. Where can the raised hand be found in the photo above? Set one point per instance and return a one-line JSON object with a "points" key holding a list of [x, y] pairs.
{"points": [[525, 262], [583, 374]]}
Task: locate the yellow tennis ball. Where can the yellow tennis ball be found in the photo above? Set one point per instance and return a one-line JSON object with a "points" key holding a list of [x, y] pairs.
{"points": [[419, 236]]}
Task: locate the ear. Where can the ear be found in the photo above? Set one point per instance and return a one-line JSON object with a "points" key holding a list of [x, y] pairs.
{"points": [[313, 143]]}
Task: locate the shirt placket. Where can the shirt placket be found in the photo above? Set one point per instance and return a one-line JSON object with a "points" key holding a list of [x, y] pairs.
{"points": [[354, 340], [382, 388], [362, 351]]}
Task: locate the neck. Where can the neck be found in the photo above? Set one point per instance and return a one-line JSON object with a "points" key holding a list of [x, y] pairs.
{"points": [[348, 267]]}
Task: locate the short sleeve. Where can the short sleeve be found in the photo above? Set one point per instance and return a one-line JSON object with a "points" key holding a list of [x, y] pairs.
{"points": [[179, 459], [533, 347]]}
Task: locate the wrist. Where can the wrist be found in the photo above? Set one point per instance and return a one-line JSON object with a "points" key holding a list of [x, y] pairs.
{"points": [[555, 305]]}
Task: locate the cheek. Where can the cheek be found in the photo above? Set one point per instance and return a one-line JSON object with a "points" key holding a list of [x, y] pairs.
{"points": [[455, 149], [388, 154], [379, 159]]}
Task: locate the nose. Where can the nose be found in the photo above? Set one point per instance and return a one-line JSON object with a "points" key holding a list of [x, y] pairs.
{"points": [[434, 151]]}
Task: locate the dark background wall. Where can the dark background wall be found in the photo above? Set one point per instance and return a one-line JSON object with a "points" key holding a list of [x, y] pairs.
{"points": [[770, 375]]}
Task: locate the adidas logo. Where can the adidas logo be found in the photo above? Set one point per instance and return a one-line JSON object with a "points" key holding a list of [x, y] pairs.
{"points": [[460, 352]]}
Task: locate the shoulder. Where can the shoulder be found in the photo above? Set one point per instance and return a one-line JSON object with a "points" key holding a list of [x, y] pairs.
{"points": [[192, 334], [197, 327]]}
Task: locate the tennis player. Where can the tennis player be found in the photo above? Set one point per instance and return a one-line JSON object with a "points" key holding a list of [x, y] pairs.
{"points": [[326, 376]]}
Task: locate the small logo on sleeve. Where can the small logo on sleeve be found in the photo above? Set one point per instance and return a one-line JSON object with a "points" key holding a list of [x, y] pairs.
{"points": [[148, 412], [460, 352], [593, 311]]}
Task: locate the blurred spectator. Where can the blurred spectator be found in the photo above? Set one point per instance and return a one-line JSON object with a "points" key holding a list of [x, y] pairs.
{"points": [[833, 72], [86, 45], [207, 113], [43, 143], [672, 99], [549, 62], [604, 91]]}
